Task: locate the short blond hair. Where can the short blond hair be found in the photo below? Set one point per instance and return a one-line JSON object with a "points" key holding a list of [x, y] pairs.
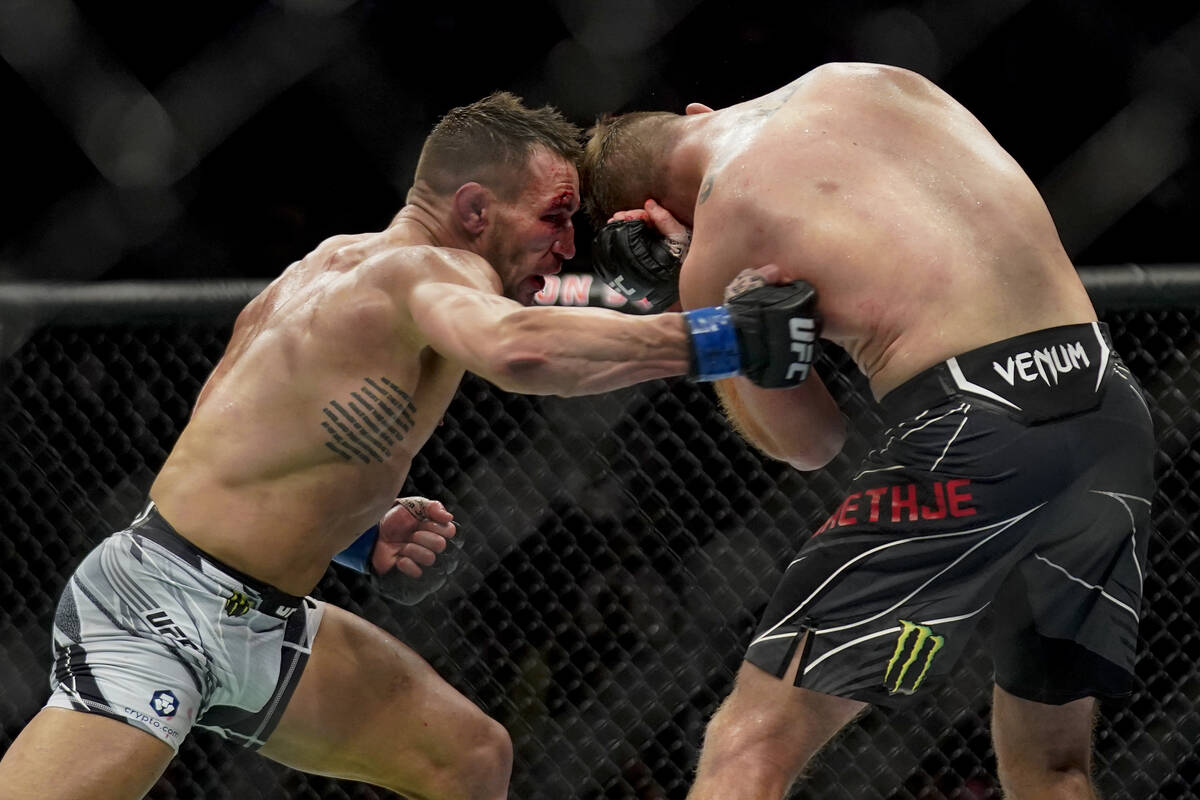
{"points": [[624, 161]]}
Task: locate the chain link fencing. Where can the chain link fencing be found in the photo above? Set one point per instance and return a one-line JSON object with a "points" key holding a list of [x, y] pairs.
{"points": [[621, 548]]}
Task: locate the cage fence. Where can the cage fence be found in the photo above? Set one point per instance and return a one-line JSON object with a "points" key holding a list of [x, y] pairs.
{"points": [[620, 549]]}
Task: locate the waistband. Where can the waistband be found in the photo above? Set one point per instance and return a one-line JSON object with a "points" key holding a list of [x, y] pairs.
{"points": [[1036, 376], [254, 594]]}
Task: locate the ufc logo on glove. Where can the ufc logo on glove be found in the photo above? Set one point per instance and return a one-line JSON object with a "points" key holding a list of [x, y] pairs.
{"points": [[618, 283], [767, 333], [803, 331]]}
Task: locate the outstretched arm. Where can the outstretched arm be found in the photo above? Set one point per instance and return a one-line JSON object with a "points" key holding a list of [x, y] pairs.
{"points": [[574, 351], [547, 350]]}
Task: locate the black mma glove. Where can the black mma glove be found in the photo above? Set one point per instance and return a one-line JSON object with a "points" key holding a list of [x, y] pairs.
{"points": [[402, 588], [409, 591], [767, 333], [639, 262]]}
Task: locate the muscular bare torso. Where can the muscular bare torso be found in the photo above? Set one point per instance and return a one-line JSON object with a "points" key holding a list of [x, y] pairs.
{"points": [[923, 237], [307, 427]]}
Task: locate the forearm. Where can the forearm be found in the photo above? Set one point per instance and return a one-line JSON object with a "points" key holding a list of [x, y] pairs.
{"points": [[358, 555], [572, 352], [802, 426], [765, 332], [548, 350]]}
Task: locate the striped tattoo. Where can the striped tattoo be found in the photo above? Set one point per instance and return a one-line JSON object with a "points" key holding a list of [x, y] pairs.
{"points": [[372, 421]]}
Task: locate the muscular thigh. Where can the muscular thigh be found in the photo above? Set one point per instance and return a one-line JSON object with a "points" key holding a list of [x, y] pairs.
{"points": [[369, 708], [71, 755]]}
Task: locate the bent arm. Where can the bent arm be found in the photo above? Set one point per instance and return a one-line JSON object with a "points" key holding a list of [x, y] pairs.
{"points": [[801, 426], [547, 350]]}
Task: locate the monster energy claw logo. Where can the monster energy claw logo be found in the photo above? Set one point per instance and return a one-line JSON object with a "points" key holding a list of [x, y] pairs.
{"points": [[909, 650], [237, 604]]}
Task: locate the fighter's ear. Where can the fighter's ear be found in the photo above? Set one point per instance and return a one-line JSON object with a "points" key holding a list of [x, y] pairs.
{"points": [[470, 207], [696, 108]]}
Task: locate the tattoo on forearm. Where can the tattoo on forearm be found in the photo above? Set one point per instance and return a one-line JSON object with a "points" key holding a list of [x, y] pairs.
{"points": [[374, 420], [705, 190]]}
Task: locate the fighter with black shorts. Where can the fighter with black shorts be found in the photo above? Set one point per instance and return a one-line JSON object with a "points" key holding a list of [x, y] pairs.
{"points": [[1013, 480]]}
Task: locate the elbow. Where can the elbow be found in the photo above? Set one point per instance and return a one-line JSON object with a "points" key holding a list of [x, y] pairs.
{"points": [[817, 450], [518, 357], [810, 460], [523, 373]]}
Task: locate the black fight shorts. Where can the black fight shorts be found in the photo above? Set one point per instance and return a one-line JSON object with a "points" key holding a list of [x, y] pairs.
{"points": [[1013, 481]]}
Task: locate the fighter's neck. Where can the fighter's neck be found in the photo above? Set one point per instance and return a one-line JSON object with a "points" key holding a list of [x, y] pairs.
{"points": [[687, 165], [418, 223]]}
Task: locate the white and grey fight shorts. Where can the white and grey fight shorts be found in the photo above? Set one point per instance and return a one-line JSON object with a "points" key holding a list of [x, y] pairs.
{"points": [[152, 631]]}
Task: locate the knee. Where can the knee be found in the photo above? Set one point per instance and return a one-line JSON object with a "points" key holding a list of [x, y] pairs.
{"points": [[735, 734], [483, 767], [786, 728], [1065, 783], [492, 762], [473, 763]]}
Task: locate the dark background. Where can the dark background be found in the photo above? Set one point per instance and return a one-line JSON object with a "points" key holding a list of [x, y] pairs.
{"points": [[225, 139], [628, 541]]}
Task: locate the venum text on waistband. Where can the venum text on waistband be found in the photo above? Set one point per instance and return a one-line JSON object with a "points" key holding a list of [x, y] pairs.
{"points": [[1049, 363]]}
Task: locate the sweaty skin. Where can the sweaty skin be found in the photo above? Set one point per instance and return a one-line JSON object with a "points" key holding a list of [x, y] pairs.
{"points": [[922, 236], [924, 240], [337, 374]]}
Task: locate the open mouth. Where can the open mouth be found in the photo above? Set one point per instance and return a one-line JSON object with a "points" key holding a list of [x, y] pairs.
{"points": [[534, 284]]}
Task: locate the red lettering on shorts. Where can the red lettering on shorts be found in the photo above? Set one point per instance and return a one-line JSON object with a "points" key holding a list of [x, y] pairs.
{"points": [[939, 510], [828, 524], [904, 503], [908, 502], [848, 505], [875, 495], [956, 499]]}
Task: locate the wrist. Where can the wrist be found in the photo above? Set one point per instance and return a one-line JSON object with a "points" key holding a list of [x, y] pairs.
{"points": [[358, 555], [715, 352]]}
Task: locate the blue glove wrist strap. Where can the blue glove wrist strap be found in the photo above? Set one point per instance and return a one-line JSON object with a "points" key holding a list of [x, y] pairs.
{"points": [[358, 555], [715, 352]]}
